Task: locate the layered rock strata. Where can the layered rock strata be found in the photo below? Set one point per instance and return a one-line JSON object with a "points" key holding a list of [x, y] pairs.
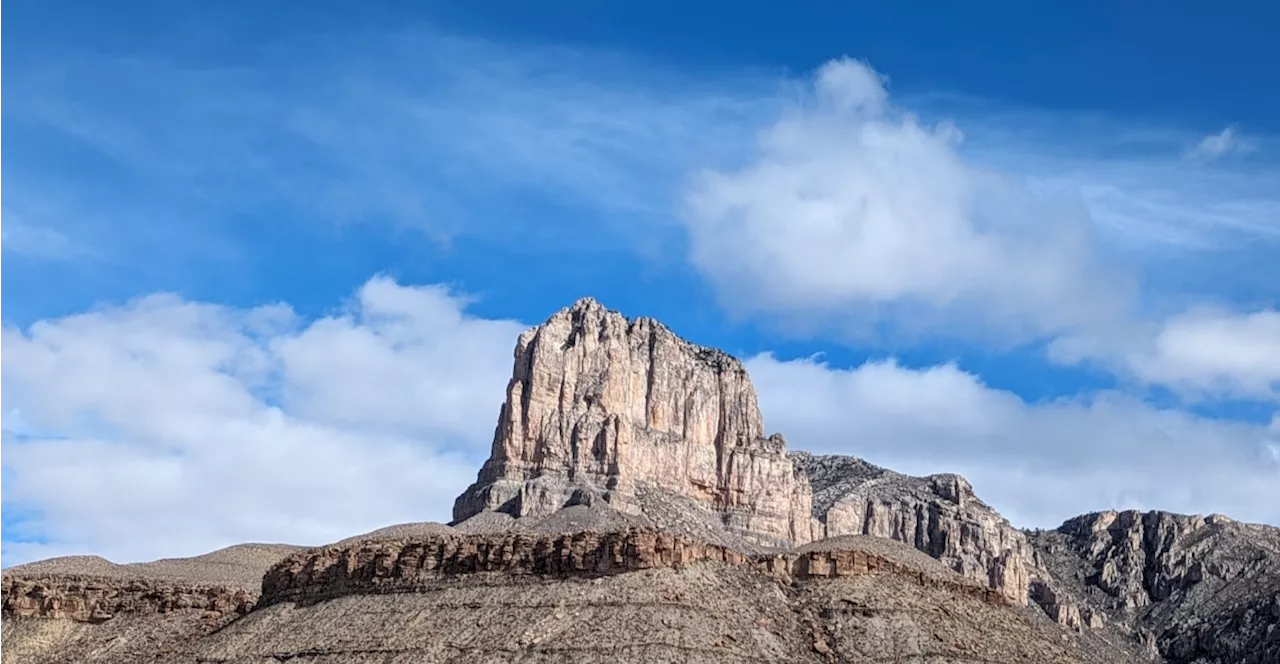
{"points": [[95, 600], [406, 565]]}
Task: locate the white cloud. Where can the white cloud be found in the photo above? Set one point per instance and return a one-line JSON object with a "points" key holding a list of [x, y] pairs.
{"points": [[1038, 463], [1236, 353], [35, 241], [853, 210], [1204, 353], [166, 427], [1228, 141]]}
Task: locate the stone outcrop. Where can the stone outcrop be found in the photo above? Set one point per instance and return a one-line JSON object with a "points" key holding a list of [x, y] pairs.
{"points": [[938, 514], [95, 600], [406, 565], [547, 600], [600, 408], [1063, 610], [605, 410], [1141, 558], [1194, 588]]}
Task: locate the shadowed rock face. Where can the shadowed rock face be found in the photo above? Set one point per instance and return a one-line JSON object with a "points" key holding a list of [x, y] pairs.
{"points": [[1193, 588]]}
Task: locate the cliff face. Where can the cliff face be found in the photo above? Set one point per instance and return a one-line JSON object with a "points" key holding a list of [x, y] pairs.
{"points": [[600, 408], [95, 600], [939, 515], [1193, 588]]}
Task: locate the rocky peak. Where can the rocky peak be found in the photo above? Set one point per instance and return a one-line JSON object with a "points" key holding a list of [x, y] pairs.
{"points": [[605, 409], [1140, 558], [602, 410]]}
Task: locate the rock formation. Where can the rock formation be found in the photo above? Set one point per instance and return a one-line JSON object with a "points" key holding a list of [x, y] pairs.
{"points": [[939, 515], [404, 565], [1194, 588], [626, 413], [95, 599], [604, 409]]}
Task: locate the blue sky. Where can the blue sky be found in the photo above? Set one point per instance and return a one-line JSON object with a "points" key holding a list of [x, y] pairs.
{"points": [[1035, 244]]}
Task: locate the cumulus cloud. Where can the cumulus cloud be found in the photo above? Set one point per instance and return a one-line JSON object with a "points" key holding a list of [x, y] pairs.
{"points": [[1226, 142], [1202, 354], [852, 209], [1038, 463], [854, 214], [166, 427]]}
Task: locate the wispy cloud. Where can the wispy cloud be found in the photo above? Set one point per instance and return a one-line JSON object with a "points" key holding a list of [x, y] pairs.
{"points": [[38, 241], [417, 129], [445, 134], [1226, 142]]}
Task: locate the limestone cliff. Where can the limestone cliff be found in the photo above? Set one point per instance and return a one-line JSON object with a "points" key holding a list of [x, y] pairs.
{"points": [[600, 408]]}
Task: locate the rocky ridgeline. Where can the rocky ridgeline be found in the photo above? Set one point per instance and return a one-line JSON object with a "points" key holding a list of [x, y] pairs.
{"points": [[1139, 558], [95, 599], [605, 410], [1193, 588], [411, 564]]}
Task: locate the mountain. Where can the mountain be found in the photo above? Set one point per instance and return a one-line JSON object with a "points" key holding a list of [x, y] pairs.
{"points": [[634, 508]]}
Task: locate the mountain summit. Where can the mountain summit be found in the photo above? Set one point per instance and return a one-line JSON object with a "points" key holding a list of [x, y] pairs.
{"points": [[624, 414]]}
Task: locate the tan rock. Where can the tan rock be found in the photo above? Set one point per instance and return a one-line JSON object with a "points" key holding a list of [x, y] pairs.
{"points": [[600, 407], [96, 599], [939, 515]]}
